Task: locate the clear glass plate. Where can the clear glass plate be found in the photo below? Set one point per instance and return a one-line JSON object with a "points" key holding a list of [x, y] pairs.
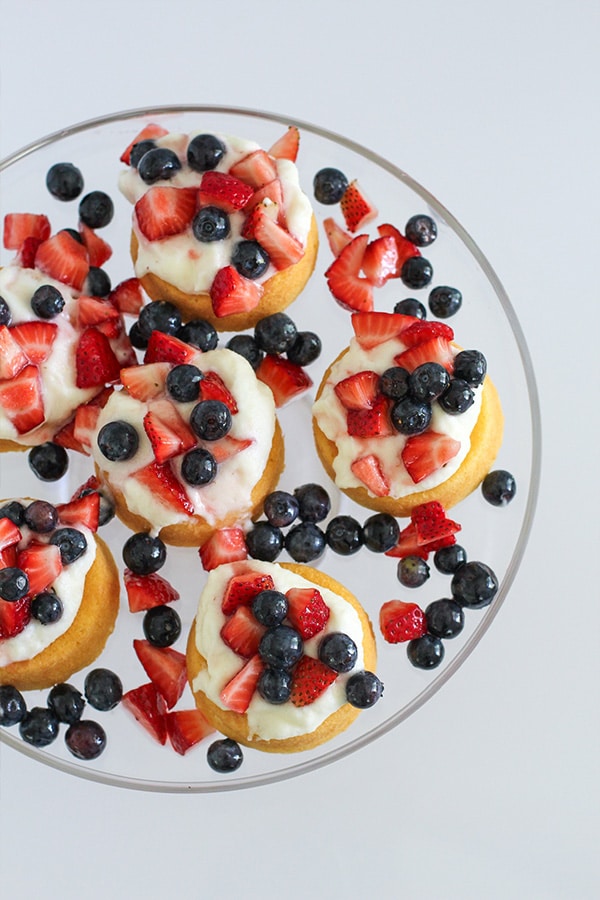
{"points": [[495, 536]]}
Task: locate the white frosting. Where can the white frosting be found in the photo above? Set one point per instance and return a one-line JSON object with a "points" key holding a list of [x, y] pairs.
{"points": [[269, 721], [331, 419], [236, 476], [182, 260]]}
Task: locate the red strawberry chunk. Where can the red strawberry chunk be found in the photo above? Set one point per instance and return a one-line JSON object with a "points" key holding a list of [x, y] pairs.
{"points": [[425, 453], [22, 401], [18, 227], [9, 533], [145, 382], [212, 387], [269, 196], [242, 589], [94, 310], [310, 679], [242, 633], [64, 259], [433, 526], [307, 611], [358, 391], [228, 446], [162, 482], [224, 546], [84, 426], [148, 708], [166, 668], [147, 591], [404, 248], [380, 261], [12, 356], [226, 191], [238, 692], [164, 211], [186, 728], [99, 251], [368, 470], [26, 255], [65, 437], [256, 169], [408, 544], [168, 348], [171, 419], [42, 564], [436, 349], [14, 616], [35, 338], [231, 293], [283, 248], [95, 362], [286, 147], [148, 132], [286, 379], [81, 511], [8, 557], [165, 443], [421, 330], [336, 236], [348, 288], [400, 621], [373, 421], [127, 296], [356, 208], [374, 328]]}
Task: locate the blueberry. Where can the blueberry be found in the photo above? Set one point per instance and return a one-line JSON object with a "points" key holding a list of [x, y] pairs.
{"points": [[71, 542], [210, 420], [159, 315], [270, 607], [48, 461], [363, 690], [144, 554], [245, 345], [161, 626], [305, 349], [118, 441], [138, 340], [448, 559], [14, 511], [138, 150], [381, 532], [46, 607], [305, 542], [338, 651], [410, 416], [66, 702], [5, 313], [47, 301], [470, 366], [275, 685], [204, 152], [97, 282], [281, 647], [499, 487], [344, 535], [412, 571], [275, 333], [250, 259], [198, 467], [64, 181], [425, 652], [12, 705], [457, 398], [445, 618], [183, 383], [85, 739], [329, 185], [210, 224], [314, 503], [393, 383], [474, 585], [421, 230], [39, 727], [428, 381], [281, 508], [224, 755], [411, 307], [158, 164], [199, 333], [264, 541], [96, 209], [416, 272], [41, 517], [445, 301], [14, 584], [103, 689]]}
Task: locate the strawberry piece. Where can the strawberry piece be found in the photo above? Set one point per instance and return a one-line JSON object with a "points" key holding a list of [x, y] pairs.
{"points": [[186, 728], [425, 453], [336, 236], [374, 328], [98, 250], [311, 678], [148, 707], [166, 668], [12, 357], [65, 437], [231, 293], [380, 261], [94, 310], [368, 470], [405, 248], [436, 349], [64, 259], [283, 248], [42, 564], [371, 422], [433, 526], [8, 557], [242, 589], [212, 387], [162, 482], [421, 331], [145, 382], [408, 544], [21, 399], [348, 288], [84, 427], [26, 255], [307, 611], [147, 591], [81, 511], [164, 211], [95, 362], [127, 296], [400, 621], [242, 633], [9, 533], [148, 132], [92, 484], [237, 693], [358, 391], [224, 546], [35, 338], [271, 192], [165, 443], [226, 191], [286, 147], [14, 616], [168, 348], [164, 410], [228, 446], [256, 169], [286, 379], [356, 208], [18, 227]]}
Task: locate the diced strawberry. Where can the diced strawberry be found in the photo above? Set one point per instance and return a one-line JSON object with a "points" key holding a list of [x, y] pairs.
{"points": [[26, 255], [186, 728], [12, 357], [81, 511], [374, 328], [92, 484], [95, 362], [145, 382], [405, 249], [408, 544], [349, 289], [166, 412], [99, 251], [433, 526], [65, 437], [283, 248], [400, 621], [168, 348], [35, 338], [310, 679], [272, 192], [231, 293], [368, 470], [64, 259], [421, 331], [84, 427], [223, 546], [286, 379], [8, 557], [148, 707], [242, 589], [256, 169], [165, 667], [21, 399], [226, 191], [14, 616], [147, 591], [436, 349], [237, 693], [307, 611], [356, 208], [94, 310], [163, 483], [228, 446], [18, 227], [42, 564], [336, 236], [380, 261], [9, 533], [286, 147], [165, 443], [163, 211], [427, 452], [148, 132], [242, 633], [212, 387], [373, 421], [358, 391], [127, 296]]}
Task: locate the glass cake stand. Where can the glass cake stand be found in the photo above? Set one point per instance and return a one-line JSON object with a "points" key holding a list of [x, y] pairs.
{"points": [[495, 536]]}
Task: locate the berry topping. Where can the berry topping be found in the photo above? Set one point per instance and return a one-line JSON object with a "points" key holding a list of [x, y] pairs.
{"points": [[167, 433], [373, 328], [416, 272], [305, 349], [281, 508], [314, 502], [148, 707], [168, 348], [95, 362], [186, 728], [275, 333], [368, 470], [307, 611], [19, 227], [410, 417], [161, 626], [373, 421], [400, 621], [281, 247], [270, 607], [421, 230], [35, 339], [250, 259], [144, 554], [457, 398], [163, 211], [256, 169], [224, 546], [336, 236], [231, 292], [199, 333], [310, 679], [329, 185], [499, 487], [411, 307], [425, 453], [350, 290], [285, 379], [159, 315], [42, 564], [344, 535], [428, 381], [14, 616], [286, 147], [380, 532], [166, 669], [210, 224], [470, 366], [40, 516], [210, 420], [64, 181], [64, 259], [198, 467], [242, 589], [204, 152], [242, 633], [356, 208], [281, 647], [148, 133], [71, 542], [264, 541], [118, 441], [363, 690], [96, 209], [225, 191], [380, 261], [14, 584], [393, 383], [275, 685], [158, 164], [147, 591], [305, 542], [358, 391], [238, 692]]}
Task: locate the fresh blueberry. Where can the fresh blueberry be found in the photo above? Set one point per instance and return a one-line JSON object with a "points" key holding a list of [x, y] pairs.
{"points": [[224, 755], [270, 607], [103, 689], [275, 685], [5, 313], [183, 383], [425, 652], [64, 181], [96, 210], [14, 584], [158, 164], [416, 272], [344, 535], [199, 333], [12, 705], [48, 461], [250, 259], [138, 340], [448, 559], [41, 516], [445, 618], [445, 301], [474, 585], [210, 224], [457, 398], [264, 541], [329, 185], [393, 383], [138, 150], [411, 307], [428, 381], [471, 366], [205, 151], [97, 282], [47, 301], [363, 690], [421, 230], [410, 416], [210, 420], [66, 702], [281, 647], [245, 345], [381, 532], [305, 542], [46, 607], [499, 487], [39, 727], [144, 554], [412, 571], [161, 626], [159, 315], [199, 466], [281, 508], [71, 542], [85, 739], [314, 503], [118, 441], [338, 651], [14, 511], [305, 349], [275, 333]]}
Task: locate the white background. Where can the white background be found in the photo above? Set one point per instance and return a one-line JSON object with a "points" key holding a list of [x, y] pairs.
{"points": [[491, 790]]}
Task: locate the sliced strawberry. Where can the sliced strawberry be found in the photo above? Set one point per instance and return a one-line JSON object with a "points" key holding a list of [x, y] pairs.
{"points": [[81, 511], [92, 484], [400, 621], [186, 728], [272, 192], [147, 591], [237, 693], [408, 544], [84, 427], [148, 132], [163, 483], [18, 227], [307, 611], [64, 259], [12, 356], [9, 533], [310, 679], [226, 191], [8, 557], [436, 349], [380, 261], [94, 310], [95, 362], [65, 437], [231, 293], [145, 382], [349, 289], [127, 296], [358, 391], [371, 422], [14, 616], [42, 564], [35, 338], [286, 379], [21, 399], [228, 446], [405, 249], [283, 248], [164, 211], [212, 387], [256, 169], [168, 348], [432, 525], [242, 633], [374, 328], [425, 453], [368, 470], [166, 412], [356, 208], [286, 147], [166, 668], [27, 251], [148, 707], [165, 443], [242, 589], [336, 236], [224, 546], [99, 251], [421, 331]]}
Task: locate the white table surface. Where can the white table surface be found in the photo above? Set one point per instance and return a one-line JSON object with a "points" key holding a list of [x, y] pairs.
{"points": [[491, 790]]}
